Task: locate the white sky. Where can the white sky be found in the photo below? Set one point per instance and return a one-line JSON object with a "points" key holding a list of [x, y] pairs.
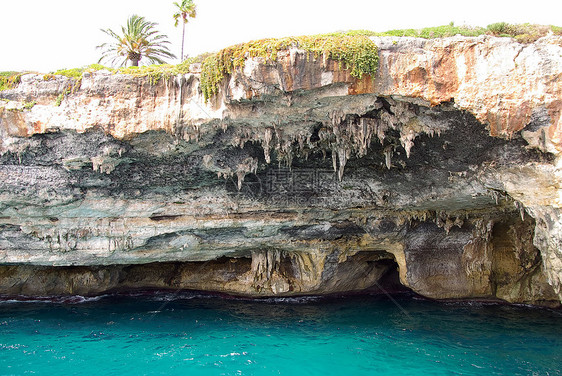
{"points": [[44, 36]]}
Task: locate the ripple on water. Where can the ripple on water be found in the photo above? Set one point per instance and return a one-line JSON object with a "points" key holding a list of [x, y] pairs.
{"points": [[183, 332]]}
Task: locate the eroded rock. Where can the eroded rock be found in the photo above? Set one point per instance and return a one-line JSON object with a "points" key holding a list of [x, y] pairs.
{"points": [[296, 179]]}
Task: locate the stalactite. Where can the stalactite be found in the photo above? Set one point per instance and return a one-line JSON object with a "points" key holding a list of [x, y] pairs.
{"points": [[242, 137], [388, 156], [248, 165], [337, 116], [265, 271], [521, 209], [207, 158], [362, 133], [450, 223], [104, 164], [300, 139], [407, 140], [267, 137], [345, 135], [285, 151], [343, 156]]}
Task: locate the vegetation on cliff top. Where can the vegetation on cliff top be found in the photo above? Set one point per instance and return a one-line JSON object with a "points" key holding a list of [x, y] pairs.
{"points": [[433, 32], [9, 80], [523, 33], [354, 52], [352, 49]]}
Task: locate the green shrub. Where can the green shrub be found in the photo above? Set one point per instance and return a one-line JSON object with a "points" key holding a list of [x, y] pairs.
{"points": [[60, 98], [436, 32], [29, 105], [72, 73], [154, 72], [500, 28], [356, 53], [9, 80], [523, 33], [96, 67]]}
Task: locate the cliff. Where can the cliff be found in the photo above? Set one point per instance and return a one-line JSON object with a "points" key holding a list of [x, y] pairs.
{"points": [[441, 171]]}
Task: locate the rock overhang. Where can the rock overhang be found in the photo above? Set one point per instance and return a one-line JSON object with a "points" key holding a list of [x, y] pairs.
{"points": [[413, 147]]}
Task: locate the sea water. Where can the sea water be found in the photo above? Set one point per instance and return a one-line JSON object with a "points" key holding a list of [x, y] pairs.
{"points": [[183, 333]]}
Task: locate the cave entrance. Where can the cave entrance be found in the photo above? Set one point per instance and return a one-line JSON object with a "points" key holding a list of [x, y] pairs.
{"points": [[389, 283], [373, 272]]}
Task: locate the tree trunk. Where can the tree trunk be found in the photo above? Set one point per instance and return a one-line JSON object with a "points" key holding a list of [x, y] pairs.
{"points": [[182, 41], [134, 57]]}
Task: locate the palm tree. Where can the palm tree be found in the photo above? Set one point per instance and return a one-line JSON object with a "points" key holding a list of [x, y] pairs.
{"points": [[186, 9], [139, 40]]}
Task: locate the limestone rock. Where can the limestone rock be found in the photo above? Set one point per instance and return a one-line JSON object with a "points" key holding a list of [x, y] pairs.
{"points": [[442, 171]]}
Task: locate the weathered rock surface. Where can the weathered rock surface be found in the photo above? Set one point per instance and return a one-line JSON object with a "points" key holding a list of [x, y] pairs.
{"points": [[296, 179]]}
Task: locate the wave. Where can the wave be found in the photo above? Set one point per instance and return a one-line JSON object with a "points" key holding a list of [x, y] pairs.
{"points": [[70, 299], [176, 295]]}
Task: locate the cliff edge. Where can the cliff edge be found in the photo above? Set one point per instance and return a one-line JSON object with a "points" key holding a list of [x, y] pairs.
{"points": [[440, 173]]}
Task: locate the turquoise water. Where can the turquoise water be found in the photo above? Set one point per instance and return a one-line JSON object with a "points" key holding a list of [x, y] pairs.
{"points": [[191, 334]]}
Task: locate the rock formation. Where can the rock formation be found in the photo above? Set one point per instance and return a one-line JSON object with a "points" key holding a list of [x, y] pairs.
{"points": [[442, 171]]}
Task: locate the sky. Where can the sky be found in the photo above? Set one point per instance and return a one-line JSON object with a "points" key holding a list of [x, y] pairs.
{"points": [[45, 36]]}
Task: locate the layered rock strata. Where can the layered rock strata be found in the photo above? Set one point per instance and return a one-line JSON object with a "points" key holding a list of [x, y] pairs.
{"points": [[443, 169]]}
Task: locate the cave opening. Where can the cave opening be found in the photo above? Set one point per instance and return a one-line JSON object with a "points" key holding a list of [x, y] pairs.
{"points": [[371, 272], [390, 282], [365, 272]]}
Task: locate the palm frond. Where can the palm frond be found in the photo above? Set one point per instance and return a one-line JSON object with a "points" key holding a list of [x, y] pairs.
{"points": [[186, 9], [139, 39]]}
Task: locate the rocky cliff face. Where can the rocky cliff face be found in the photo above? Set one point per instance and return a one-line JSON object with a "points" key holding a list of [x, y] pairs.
{"points": [[441, 172]]}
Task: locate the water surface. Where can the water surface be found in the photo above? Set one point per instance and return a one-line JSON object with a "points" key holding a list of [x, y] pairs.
{"points": [[192, 334]]}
